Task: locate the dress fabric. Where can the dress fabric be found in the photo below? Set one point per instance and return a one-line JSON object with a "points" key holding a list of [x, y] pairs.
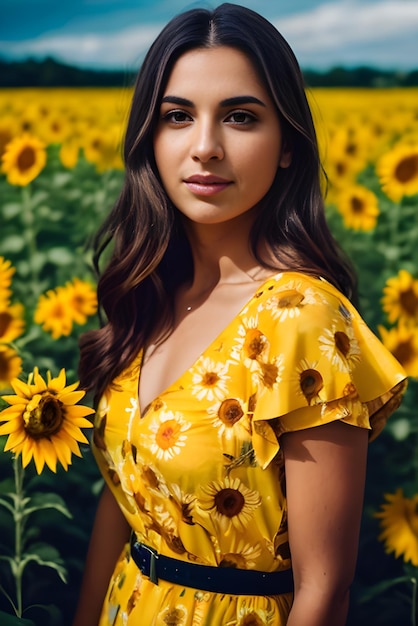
{"points": [[199, 473]]}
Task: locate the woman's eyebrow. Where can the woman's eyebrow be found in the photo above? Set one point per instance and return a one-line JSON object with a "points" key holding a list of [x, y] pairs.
{"points": [[234, 101]]}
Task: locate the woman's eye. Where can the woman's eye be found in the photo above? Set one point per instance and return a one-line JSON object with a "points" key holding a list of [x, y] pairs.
{"points": [[241, 117], [176, 117]]}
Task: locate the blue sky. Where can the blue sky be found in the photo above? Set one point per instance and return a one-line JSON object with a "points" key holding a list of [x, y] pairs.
{"points": [[107, 34]]}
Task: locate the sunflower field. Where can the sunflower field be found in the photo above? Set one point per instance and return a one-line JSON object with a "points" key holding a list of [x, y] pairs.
{"points": [[60, 173]]}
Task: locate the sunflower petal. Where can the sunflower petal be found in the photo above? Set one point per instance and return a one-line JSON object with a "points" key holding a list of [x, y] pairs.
{"points": [[39, 458], [72, 397], [68, 441]]}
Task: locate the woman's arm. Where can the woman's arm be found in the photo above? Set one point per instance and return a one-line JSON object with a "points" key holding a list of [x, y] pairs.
{"points": [[325, 474], [110, 532]]}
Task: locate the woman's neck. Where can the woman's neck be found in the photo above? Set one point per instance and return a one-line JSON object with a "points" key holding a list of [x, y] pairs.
{"points": [[222, 254]]}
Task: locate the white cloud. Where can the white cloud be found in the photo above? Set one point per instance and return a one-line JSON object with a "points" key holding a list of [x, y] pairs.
{"points": [[350, 29], [121, 49], [383, 33]]}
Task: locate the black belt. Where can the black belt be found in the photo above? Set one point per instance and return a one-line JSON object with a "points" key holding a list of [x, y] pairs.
{"points": [[224, 580]]}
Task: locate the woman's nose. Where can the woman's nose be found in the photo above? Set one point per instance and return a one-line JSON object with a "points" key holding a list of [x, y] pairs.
{"points": [[206, 143]]}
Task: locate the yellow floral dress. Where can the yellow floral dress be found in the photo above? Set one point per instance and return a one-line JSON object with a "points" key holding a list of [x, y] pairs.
{"points": [[199, 474]]}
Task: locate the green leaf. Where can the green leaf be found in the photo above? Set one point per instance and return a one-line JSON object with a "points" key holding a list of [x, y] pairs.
{"points": [[53, 612], [12, 244], [6, 505], [60, 256], [12, 620], [47, 556], [11, 209], [381, 587], [39, 501]]}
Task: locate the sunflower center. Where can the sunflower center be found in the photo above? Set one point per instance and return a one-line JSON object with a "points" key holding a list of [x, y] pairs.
{"points": [[44, 416], [174, 617], [310, 383], [233, 560], [404, 352], [342, 342], [5, 320], [4, 366], [270, 372], [409, 301], [252, 619], [26, 159], [230, 412], [357, 205], [407, 169], [254, 343], [210, 379], [341, 168], [168, 434], [290, 299], [229, 502], [351, 149]]}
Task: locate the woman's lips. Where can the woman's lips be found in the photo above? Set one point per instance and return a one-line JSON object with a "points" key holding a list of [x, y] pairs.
{"points": [[206, 185]]}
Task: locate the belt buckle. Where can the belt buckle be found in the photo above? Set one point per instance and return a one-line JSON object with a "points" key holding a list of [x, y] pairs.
{"points": [[153, 555]]}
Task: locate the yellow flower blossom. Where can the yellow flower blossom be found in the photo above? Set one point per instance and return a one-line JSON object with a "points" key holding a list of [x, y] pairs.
{"points": [[399, 523], [7, 131], [53, 312], [23, 159], [402, 341], [359, 207], [6, 273], [12, 323], [82, 300], [10, 366], [398, 171], [400, 300], [69, 153], [230, 502], [44, 421]]}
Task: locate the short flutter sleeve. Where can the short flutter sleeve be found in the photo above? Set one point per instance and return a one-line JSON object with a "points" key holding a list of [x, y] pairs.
{"points": [[320, 363]]}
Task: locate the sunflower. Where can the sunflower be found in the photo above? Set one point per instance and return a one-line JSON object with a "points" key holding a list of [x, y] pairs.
{"points": [[400, 299], [23, 159], [6, 273], [210, 380], [359, 207], [309, 381], [167, 435], [53, 312], [399, 523], [82, 300], [10, 366], [102, 148], [11, 323], [6, 132], [43, 422], [398, 171], [230, 502], [69, 153], [402, 341], [341, 348]]}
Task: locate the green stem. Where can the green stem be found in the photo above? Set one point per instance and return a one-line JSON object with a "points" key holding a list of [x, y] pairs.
{"points": [[18, 519], [29, 236], [414, 602], [395, 218]]}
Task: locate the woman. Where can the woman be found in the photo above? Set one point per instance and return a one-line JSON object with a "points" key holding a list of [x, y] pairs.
{"points": [[237, 386]]}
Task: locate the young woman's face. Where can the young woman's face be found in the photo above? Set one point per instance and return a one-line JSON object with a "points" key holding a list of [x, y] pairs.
{"points": [[218, 141]]}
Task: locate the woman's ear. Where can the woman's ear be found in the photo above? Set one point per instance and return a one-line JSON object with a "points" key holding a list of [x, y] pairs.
{"points": [[285, 157]]}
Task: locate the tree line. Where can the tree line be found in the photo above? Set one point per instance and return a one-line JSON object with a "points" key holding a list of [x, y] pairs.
{"points": [[51, 73]]}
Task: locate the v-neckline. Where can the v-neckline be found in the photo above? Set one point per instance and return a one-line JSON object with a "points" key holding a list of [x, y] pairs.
{"points": [[142, 412]]}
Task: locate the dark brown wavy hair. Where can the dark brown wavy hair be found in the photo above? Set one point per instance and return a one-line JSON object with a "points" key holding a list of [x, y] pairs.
{"points": [[150, 254]]}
